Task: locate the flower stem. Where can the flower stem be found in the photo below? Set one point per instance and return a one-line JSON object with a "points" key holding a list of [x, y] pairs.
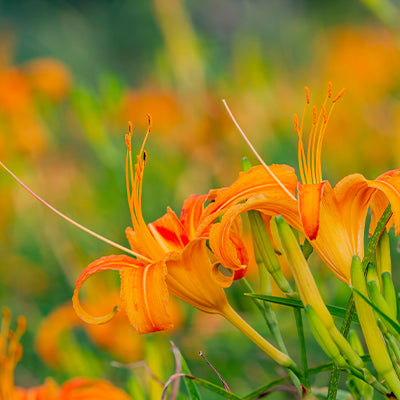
{"points": [[282, 359]]}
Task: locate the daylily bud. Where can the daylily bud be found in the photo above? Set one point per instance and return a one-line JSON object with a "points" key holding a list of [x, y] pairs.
{"points": [[363, 389], [309, 292], [266, 251], [373, 337], [323, 337], [383, 261], [389, 293], [372, 275], [380, 303]]}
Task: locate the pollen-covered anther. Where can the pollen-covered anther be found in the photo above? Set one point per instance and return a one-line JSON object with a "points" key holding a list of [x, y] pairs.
{"points": [[314, 115], [128, 141], [338, 96], [329, 90], [296, 123], [307, 90], [324, 114]]}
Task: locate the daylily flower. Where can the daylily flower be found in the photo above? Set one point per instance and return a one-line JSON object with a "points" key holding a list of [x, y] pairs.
{"points": [[74, 389], [170, 258], [332, 219]]}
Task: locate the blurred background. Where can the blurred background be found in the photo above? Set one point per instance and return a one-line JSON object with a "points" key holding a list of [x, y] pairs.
{"points": [[73, 73]]}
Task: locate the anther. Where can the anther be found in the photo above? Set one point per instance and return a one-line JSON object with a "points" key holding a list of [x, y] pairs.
{"points": [[128, 141], [314, 115], [130, 128], [307, 90], [338, 96], [325, 115], [296, 123], [329, 90], [150, 122]]}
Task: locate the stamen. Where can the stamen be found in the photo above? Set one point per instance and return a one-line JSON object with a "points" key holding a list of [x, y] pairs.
{"points": [[255, 151], [324, 114], [307, 90], [338, 96], [314, 115], [90, 232], [329, 90]]}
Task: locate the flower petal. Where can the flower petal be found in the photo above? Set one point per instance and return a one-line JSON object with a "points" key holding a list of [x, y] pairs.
{"points": [[102, 264], [191, 278], [221, 239], [169, 232], [388, 185], [192, 211], [309, 197], [144, 295], [251, 183]]}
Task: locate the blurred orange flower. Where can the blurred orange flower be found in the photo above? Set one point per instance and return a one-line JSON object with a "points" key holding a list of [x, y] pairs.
{"points": [[75, 389], [21, 127]]}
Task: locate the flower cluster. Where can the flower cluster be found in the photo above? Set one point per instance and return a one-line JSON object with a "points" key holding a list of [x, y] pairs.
{"points": [[199, 254]]}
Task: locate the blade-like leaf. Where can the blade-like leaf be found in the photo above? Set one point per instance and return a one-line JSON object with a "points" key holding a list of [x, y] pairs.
{"points": [[334, 310], [214, 388], [190, 386]]}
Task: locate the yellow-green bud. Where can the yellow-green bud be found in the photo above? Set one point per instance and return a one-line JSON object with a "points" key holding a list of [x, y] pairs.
{"points": [[372, 275], [383, 260], [389, 293], [323, 337], [266, 251], [373, 337]]}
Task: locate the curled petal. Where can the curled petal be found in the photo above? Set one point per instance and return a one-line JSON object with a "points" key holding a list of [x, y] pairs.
{"points": [[309, 198], [254, 182], [144, 295], [102, 264], [221, 239]]}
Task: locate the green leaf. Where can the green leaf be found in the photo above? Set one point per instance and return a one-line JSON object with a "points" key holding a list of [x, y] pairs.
{"points": [[394, 324], [214, 388], [190, 386], [334, 310]]}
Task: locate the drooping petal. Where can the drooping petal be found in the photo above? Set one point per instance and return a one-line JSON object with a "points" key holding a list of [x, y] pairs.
{"points": [[309, 198], [388, 190], [191, 278], [220, 235], [102, 264], [337, 242], [169, 232], [251, 183], [144, 295], [192, 211]]}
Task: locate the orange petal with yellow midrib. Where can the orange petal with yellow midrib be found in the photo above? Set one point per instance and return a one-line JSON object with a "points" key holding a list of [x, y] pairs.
{"points": [[144, 294]]}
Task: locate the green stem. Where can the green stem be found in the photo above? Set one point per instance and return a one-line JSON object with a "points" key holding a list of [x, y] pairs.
{"points": [[281, 358], [302, 344], [373, 242], [272, 322]]}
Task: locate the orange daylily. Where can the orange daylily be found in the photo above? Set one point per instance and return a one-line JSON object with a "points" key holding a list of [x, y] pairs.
{"points": [[333, 219], [170, 258], [74, 389]]}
